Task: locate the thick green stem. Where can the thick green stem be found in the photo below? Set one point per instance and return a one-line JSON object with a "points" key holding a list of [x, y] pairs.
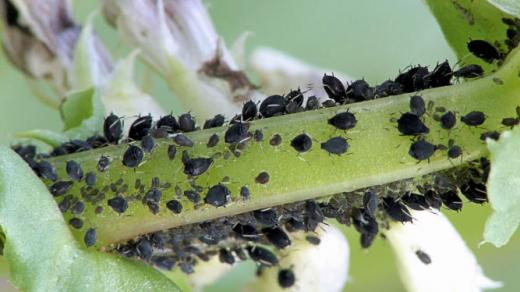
{"points": [[378, 154]]}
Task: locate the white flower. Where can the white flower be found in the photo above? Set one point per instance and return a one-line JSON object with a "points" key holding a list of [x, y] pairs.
{"points": [[453, 266], [178, 39], [40, 39], [322, 267]]}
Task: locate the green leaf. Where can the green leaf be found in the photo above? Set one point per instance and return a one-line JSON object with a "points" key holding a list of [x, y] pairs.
{"points": [[503, 188], [509, 6], [462, 20], [82, 113], [40, 250]]}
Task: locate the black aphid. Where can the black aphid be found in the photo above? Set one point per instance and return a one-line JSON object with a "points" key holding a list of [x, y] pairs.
{"points": [[60, 188], [133, 156], [313, 239], [411, 124], [249, 111], [246, 231], [483, 50], [153, 207], [213, 141], [76, 223], [365, 223], [396, 210], [186, 268], [474, 118], [312, 103], [90, 179], [451, 200], [336, 145], [236, 133], [370, 203], [415, 201], [218, 195], [74, 170], [163, 262], [262, 178], [423, 257], [367, 239], [277, 237], [46, 170], [140, 127], [113, 128], [90, 237], [245, 193], [389, 87], [494, 135], [343, 121], [275, 140], [475, 192], [258, 135], [64, 205], [197, 166], [295, 97], [286, 278], [226, 257], [153, 195], [510, 122], [103, 163], [172, 151], [433, 199], [144, 249], [359, 90], [186, 123], [417, 105], [182, 140], [193, 196], [440, 76], [147, 143], [174, 206], [454, 151], [78, 208], [273, 105], [268, 217], [469, 71], [412, 79], [215, 122], [118, 204], [334, 88], [168, 123], [262, 256], [421, 150], [448, 120], [302, 143]]}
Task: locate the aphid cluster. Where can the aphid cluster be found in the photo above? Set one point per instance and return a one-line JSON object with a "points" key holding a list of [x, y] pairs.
{"points": [[257, 234]]}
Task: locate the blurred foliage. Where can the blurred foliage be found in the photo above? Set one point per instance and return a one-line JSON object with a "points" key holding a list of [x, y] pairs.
{"points": [[351, 36]]}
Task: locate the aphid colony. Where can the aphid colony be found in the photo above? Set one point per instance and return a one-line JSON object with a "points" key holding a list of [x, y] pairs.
{"points": [[254, 234]]}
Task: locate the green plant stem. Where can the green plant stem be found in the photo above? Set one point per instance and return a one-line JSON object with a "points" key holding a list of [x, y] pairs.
{"points": [[378, 154]]}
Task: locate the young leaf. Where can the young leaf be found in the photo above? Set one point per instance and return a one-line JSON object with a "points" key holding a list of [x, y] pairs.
{"points": [[465, 20], [40, 250], [504, 188]]}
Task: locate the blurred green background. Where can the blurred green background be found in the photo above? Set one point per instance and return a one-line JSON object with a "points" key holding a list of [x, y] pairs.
{"points": [[363, 38]]}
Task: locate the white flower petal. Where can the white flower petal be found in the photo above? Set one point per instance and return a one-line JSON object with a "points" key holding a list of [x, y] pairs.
{"points": [[322, 267], [453, 266], [122, 97], [207, 273]]}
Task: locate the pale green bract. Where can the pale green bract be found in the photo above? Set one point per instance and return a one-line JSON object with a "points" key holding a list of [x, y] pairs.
{"points": [[510, 6], [503, 188], [82, 114], [40, 250]]}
